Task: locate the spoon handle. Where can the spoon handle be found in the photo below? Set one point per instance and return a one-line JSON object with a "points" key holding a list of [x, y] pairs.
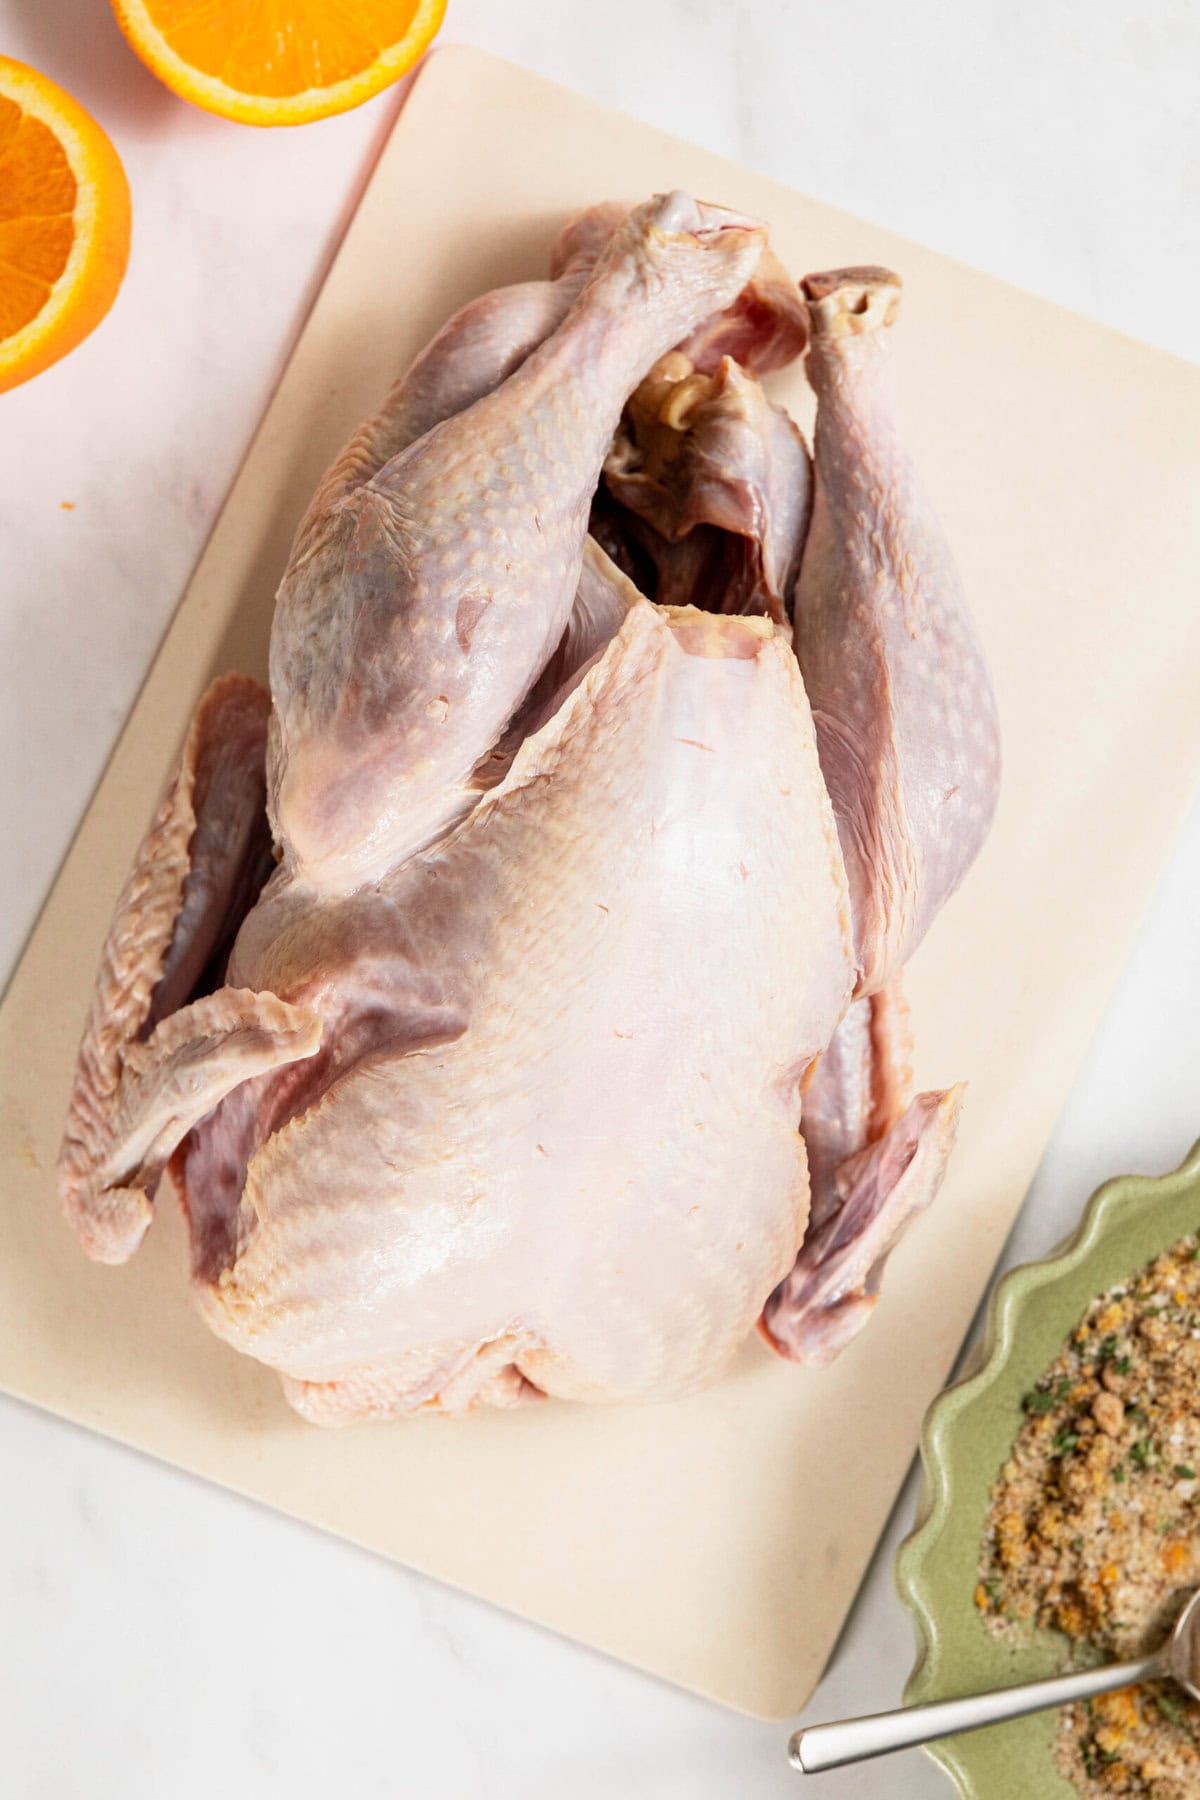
{"points": [[854, 1740]]}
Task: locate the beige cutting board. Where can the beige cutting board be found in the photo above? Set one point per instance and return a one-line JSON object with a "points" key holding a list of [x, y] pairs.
{"points": [[717, 1542]]}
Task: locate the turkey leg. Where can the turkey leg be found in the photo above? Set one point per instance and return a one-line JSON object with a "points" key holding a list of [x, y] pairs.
{"points": [[407, 637], [904, 712]]}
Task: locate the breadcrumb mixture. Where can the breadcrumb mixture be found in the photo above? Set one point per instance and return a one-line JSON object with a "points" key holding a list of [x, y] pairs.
{"points": [[1094, 1524]]}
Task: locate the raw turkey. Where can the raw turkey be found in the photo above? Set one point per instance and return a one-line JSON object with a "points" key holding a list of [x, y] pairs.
{"points": [[511, 997]]}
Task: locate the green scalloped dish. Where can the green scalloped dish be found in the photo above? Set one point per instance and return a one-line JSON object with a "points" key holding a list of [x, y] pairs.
{"points": [[966, 1438]]}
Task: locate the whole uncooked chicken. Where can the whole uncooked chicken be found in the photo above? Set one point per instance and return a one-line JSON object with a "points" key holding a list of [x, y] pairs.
{"points": [[563, 1042]]}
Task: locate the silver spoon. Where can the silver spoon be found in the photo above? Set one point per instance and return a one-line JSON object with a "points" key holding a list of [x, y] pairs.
{"points": [[854, 1740]]}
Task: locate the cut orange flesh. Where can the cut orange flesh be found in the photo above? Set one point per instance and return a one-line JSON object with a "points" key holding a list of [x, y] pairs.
{"points": [[64, 223], [278, 62]]}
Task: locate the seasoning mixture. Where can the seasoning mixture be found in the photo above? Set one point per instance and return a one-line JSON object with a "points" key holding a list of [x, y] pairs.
{"points": [[1094, 1524]]}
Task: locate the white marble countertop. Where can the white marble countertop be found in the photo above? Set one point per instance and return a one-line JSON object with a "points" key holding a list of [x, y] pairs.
{"points": [[160, 1636]]}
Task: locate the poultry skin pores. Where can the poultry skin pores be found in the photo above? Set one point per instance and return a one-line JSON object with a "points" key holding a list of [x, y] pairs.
{"points": [[511, 997]]}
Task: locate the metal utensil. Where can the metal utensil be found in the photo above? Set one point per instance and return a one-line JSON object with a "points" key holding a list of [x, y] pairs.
{"points": [[854, 1740]]}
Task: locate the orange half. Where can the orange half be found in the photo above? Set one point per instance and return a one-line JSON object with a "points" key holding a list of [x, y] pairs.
{"points": [[64, 223], [278, 62]]}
